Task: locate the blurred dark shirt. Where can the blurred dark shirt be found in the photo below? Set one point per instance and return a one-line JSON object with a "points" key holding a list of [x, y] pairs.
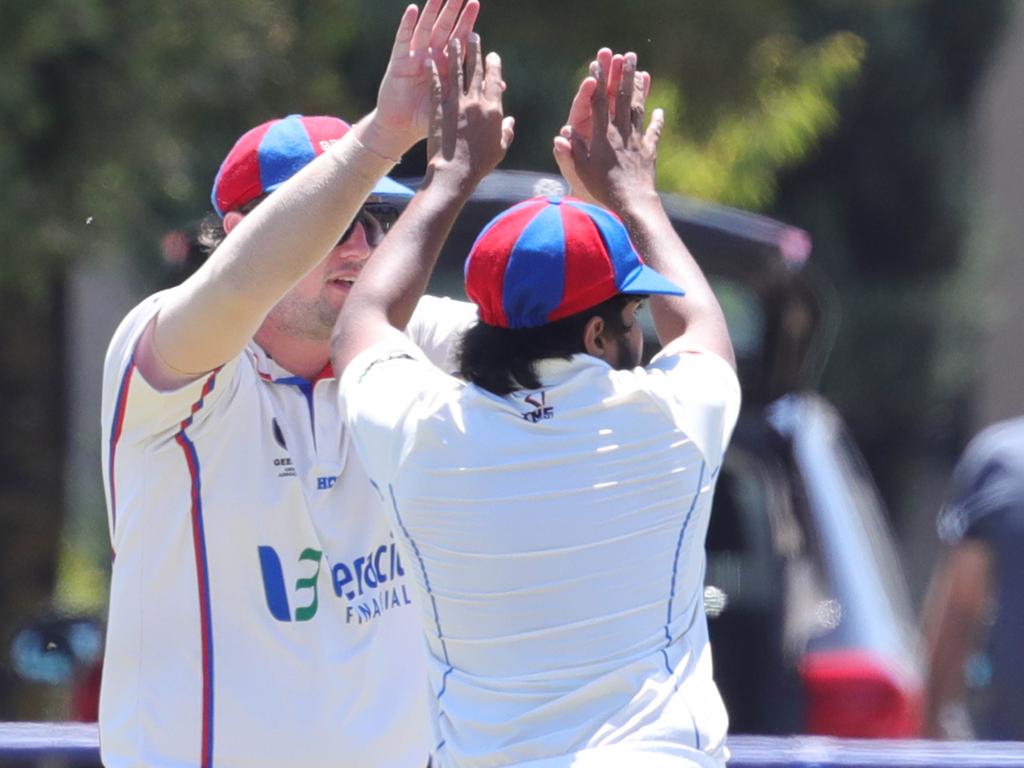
{"points": [[987, 504]]}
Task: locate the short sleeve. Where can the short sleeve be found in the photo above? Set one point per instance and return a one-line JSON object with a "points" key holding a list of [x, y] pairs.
{"points": [[383, 393], [701, 393], [436, 327], [134, 409], [987, 486]]}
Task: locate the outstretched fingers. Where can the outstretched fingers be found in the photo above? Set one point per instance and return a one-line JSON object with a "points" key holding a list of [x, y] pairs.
{"points": [[508, 131], [474, 65], [424, 27], [625, 89], [599, 99], [614, 76], [456, 79], [467, 21], [643, 84], [580, 109], [445, 24], [653, 134], [568, 149], [405, 33], [494, 85], [435, 131]]}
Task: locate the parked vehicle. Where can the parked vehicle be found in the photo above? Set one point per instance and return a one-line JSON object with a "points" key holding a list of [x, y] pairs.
{"points": [[811, 625]]}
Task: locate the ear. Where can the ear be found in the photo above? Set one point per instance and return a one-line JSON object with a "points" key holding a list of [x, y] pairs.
{"points": [[231, 219], [594, 341]]}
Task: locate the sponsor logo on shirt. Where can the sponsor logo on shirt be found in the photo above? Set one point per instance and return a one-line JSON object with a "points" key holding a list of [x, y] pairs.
{"points": [[370, 585], [305, 586], [541, 410], [282, 464], [284, 467]]}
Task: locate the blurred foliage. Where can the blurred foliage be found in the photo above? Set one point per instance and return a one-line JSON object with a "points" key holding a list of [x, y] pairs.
{"points": [[117, 114], [888, 200], [796, 88]]}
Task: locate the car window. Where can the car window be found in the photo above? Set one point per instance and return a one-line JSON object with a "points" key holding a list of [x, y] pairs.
{"points": [[743, 314]]}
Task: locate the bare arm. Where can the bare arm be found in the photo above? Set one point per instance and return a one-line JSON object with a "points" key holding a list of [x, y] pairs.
{"points": [[471, 135], [616, 165], [954, 615], [209, 318]]}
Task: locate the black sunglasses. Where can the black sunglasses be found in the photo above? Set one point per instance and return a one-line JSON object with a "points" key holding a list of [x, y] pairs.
{"points": [[376, 218]]}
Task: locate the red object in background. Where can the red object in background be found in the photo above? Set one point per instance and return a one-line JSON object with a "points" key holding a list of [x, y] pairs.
{"points": [[854, 694], [85, 695], [174, 247]]}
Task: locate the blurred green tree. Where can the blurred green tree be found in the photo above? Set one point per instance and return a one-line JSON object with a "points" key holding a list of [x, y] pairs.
{"points": [[888, 199]]}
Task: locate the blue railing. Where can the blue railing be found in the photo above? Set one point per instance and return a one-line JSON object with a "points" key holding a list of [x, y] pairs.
{"points": [[77, 744]]}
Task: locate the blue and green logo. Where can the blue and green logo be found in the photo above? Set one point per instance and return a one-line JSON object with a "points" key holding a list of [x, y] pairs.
{"points": [[305, 586]]}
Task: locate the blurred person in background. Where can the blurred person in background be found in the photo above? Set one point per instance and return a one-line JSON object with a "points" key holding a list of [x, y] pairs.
{"points": [[974, 611], [552, 501], [259, 614]]}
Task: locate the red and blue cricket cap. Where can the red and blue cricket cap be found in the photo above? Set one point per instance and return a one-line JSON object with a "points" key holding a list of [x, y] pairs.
{"points": [[266, 156], [548, 258]]}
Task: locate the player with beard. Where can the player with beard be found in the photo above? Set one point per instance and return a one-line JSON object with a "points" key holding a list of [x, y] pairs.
{"points": [[259, 613]]}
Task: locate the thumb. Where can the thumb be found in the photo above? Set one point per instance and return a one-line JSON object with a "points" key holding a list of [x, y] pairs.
{"points": [[562, 150], [508, 132], [653, 134]]}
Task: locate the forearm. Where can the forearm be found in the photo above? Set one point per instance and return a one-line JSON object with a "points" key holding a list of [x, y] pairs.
{"points": [[954, 614], [697, 315], [210, 317], [396, 277]]}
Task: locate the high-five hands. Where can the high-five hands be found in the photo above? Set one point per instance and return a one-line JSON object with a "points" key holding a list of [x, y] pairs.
{"points": [[404, 101], [603, 151], [469, 132]]}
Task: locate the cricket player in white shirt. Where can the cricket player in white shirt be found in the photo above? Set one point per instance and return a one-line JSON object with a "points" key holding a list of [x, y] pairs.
{"points": [[260, 614], [551, 502]]}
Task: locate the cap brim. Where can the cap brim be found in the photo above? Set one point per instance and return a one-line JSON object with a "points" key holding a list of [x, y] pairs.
{"points": [[388, 187], [645, 280]]}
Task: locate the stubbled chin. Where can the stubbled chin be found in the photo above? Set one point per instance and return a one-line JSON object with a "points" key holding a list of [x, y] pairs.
{"points": [[337, 291]]}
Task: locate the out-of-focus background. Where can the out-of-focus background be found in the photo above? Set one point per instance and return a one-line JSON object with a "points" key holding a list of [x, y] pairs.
{"points": [[890, 131]]}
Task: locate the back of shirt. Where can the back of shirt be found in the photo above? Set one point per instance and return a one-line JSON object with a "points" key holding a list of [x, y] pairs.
{"points": [[559, 537]]}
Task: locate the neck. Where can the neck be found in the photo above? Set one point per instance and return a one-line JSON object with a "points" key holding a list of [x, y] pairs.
{"points": [[302, 357]]}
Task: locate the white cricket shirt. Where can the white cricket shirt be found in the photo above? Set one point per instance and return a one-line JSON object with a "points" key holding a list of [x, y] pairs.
{"points": [[557, 538], [260, 614]]}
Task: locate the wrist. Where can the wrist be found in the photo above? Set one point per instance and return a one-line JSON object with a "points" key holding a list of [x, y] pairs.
{"points": [[450, 178], [380, 140], [636, 204]]}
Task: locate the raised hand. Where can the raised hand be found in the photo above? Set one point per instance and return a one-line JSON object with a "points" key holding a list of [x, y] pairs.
{"points": [[404, 103], [604, 151], [469, 132]]}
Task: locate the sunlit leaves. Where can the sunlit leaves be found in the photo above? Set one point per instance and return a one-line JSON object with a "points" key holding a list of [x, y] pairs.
{"points": [[796, 89]]}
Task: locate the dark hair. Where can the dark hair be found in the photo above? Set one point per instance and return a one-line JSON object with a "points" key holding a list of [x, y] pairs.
{"points": [[501, 360], [211, 229]]}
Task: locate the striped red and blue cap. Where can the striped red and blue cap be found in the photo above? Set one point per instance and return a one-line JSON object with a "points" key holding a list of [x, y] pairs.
{"points": [[266, 156], [548, 258]]}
